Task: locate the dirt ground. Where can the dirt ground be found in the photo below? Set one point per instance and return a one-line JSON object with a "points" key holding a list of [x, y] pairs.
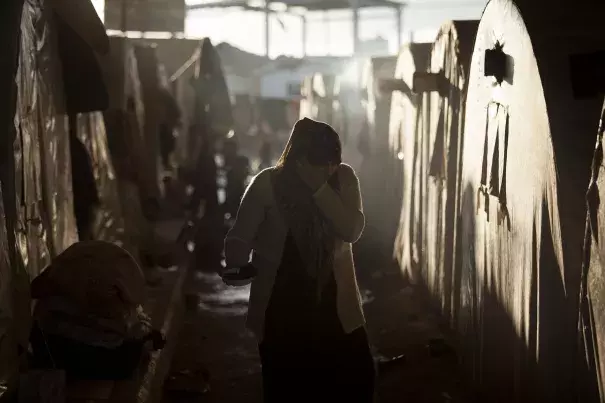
{"points": [[216, 360]]}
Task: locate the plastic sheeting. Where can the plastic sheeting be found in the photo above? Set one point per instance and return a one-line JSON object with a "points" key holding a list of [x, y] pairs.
{"points": [[592, 317], [450, 58], [14, 304], [8, 345], [406, 128], [526, 165], [46, 223], [125, 139], [109, 221], [202, 94]]}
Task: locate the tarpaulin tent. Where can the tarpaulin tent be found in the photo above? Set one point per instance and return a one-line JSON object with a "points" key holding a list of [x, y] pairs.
{"points": [[35, 170], [43, 171], [8, 318], [109, 221], [406, 127], [526, 164], [446, 85], [591, 370], [374, 149], [14, 304], [125, 139], [202, 94]]}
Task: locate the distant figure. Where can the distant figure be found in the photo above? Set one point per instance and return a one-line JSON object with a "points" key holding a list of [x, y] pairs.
{"points": [[84, 186], [299, 219]]}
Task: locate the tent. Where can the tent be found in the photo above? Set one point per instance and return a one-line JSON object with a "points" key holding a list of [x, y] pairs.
{"points": [[374, 170], [591, 368], [109, 222], [446, 87], [528, 146], [201, 92], [37, 208], [405, 140], [124, 120], [148, 67]]}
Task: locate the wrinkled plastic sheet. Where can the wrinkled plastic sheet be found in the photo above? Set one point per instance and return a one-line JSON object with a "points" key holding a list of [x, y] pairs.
{"points": [[200, 84], [8, 344], [406, 128], [109, 221], [125, 138], [451, 55], [522, 203], [592, 317], [46, 223]]}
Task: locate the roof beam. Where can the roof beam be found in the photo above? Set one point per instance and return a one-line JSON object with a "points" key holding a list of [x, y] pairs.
{"points": [[309, 5]]}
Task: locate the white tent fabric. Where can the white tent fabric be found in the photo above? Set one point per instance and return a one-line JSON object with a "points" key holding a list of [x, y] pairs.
{"points": [[526, 164], [450, 59], [405, 141]]}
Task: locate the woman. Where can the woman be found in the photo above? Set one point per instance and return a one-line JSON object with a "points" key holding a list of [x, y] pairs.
{"points": [[299, 220]]}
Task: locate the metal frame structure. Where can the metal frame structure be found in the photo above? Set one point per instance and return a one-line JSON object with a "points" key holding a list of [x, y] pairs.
{"points": [[312, 5]]}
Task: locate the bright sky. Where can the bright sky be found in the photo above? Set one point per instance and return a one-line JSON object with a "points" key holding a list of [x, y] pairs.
{"points": [[327, 33]]}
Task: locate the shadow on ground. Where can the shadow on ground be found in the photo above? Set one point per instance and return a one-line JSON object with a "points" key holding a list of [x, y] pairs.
{"points": [[217, 361]]}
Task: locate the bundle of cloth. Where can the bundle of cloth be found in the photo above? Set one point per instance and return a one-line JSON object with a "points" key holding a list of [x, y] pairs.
{"points": [[88, 317]]}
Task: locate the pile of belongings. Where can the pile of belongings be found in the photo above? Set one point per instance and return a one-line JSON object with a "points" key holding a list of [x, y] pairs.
{"points": [[88, 318]]}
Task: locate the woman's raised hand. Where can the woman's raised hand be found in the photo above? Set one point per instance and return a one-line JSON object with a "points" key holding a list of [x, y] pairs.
{"points": [[313, 176]]}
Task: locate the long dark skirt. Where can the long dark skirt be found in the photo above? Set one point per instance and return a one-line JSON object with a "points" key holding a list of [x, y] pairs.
{"points": [[306, 356]]}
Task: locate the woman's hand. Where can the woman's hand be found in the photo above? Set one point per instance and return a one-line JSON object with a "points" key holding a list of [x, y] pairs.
{"points": [[313, 176]]}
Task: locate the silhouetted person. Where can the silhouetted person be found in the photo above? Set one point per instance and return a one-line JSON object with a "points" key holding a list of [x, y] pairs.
{"points": [[85, 193], [299, 220]]}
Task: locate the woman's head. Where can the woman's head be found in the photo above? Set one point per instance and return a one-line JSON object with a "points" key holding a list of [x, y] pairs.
{"points": [[313, 141]]}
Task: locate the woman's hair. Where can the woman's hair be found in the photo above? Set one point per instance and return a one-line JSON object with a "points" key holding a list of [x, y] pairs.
{"points": [[316, 141]]}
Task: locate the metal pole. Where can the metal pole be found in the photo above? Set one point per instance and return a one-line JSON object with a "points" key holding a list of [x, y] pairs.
{"points": [[326, 18], [304, 34], [124, 15], [267, 28], [355, 29], [399, 18]]}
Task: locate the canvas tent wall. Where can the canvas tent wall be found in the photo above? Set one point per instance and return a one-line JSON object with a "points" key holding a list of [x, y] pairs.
{"points": [[526, 163], [406, 127], [446, 87]]}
